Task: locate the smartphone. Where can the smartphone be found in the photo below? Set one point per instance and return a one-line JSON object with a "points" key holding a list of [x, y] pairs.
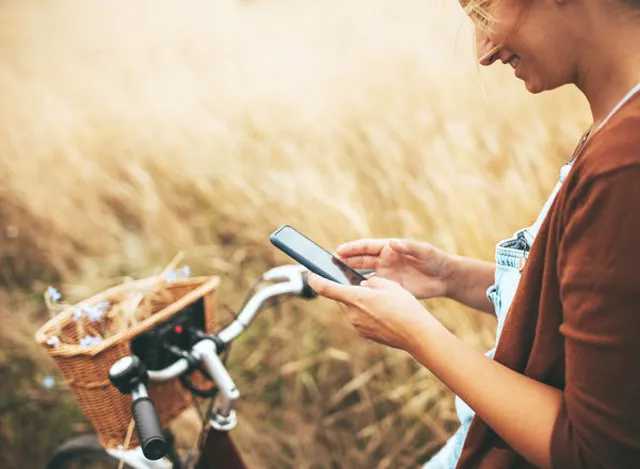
{"points": [[313, 257]]}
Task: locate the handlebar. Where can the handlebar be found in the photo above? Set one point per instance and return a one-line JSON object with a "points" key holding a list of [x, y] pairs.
{"points": [[130, 375], [291, 281]]}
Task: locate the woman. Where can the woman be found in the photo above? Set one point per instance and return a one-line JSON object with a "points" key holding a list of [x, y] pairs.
{"points": [[563, 387]]}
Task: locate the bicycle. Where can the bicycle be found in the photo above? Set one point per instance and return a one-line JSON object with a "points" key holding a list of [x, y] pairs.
{"points": [[172, 350]]}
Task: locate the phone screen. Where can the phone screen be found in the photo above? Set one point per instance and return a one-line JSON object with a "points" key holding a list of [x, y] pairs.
{"points": [[313, 257]]}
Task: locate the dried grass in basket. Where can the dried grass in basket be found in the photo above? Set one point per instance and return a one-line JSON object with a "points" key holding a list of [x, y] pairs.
{"points": [[135, 307]]}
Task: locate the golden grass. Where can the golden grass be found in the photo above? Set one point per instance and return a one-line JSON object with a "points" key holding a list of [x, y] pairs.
{"points": [[132, 130]]}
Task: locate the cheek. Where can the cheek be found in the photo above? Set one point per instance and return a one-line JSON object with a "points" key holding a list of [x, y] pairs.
{"points": [[546, 56], [544, 71]]}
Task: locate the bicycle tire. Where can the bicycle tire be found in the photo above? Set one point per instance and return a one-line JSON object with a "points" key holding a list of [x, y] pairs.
{"points": [[76, 451]]}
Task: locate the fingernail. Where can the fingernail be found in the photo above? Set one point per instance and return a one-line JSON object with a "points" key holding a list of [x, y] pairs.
{"points": [[364, 283]]}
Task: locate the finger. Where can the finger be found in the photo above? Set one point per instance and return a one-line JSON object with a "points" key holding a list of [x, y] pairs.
{"points": [[409, 247], [361, 262], [362, 247], [332, 290]]}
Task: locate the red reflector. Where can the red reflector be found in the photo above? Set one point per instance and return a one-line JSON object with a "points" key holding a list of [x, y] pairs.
{"points": [[178, 329]]}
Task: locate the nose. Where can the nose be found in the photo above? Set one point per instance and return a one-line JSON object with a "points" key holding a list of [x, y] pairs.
{"points": [[486, 50]]}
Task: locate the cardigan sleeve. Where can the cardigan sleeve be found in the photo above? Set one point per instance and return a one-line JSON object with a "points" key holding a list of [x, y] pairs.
{"points": [[599, 272]]}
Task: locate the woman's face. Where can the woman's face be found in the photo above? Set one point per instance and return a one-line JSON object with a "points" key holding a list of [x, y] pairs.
{"points": [[533, 37]]}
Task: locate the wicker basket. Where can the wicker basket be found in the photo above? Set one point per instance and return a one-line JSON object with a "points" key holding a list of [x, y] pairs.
{"points": [[86, 368]]}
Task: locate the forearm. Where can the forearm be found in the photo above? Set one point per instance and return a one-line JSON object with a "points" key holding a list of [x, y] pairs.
{"points": [[468, 282], [521, 410]]}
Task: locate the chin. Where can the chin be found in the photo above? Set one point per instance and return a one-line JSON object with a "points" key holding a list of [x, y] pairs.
{"points": [[534, 88]]}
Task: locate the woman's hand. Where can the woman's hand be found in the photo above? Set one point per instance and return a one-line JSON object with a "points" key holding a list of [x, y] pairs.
{"points": [[380, 310], [420, 268]]}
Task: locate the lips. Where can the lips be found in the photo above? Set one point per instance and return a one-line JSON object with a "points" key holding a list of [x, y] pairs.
{"points": [[511, 59]]}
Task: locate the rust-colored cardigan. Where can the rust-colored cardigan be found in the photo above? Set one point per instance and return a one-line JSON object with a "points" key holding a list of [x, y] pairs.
{"points": [[575, 320]]}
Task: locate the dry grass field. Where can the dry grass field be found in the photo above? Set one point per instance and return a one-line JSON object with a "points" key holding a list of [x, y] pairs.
{"points": [[130, 130]]}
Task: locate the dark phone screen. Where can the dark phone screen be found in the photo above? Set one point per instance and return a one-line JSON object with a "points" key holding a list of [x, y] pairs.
{"points": [[325, 261]]}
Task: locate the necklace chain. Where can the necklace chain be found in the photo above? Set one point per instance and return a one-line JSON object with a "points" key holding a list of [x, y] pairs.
{"points": [[584, 139]]}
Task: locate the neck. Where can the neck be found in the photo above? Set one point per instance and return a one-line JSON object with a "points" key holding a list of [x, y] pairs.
{"points": [[612, 68]]}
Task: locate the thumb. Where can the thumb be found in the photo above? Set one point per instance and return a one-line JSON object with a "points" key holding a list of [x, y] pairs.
{"points": [[378, 283], [330, 289]]}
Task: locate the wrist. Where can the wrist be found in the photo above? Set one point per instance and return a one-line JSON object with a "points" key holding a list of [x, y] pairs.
{"points": [[451, 276], [423, 336]]}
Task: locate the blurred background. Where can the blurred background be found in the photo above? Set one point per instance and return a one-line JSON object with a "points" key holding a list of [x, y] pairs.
{"points": [[130, 130]]}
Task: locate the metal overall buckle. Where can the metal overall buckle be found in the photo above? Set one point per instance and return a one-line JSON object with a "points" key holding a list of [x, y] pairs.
{"points": [[522, 261]]}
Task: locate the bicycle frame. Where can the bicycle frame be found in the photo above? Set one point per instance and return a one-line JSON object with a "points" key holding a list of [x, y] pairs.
{"points": [[136, 459], [218, 452]]}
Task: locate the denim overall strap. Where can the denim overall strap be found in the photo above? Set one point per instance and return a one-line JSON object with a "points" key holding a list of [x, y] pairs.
{"points": [[529, 234]]}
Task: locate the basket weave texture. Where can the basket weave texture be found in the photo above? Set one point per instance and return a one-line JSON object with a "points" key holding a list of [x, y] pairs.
{"points": [[86, 368]]}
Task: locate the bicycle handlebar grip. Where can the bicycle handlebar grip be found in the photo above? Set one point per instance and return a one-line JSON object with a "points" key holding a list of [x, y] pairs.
{"points": [[152, 440]]}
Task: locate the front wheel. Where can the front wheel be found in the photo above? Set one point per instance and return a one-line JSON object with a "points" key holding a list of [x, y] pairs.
{"points": [[83, 452]]}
